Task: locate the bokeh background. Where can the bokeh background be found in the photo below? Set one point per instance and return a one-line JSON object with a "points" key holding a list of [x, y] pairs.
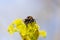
{"points": [[46, 13]]}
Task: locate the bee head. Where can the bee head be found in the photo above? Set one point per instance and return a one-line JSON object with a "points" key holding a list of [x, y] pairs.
{"points": [[29, 19]]}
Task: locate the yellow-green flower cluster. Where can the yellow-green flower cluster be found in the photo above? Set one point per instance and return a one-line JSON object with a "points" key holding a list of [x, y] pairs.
{"points": [[29, 32]]}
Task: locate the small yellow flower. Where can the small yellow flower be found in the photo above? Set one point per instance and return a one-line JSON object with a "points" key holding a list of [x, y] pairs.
{"points": [[27, 32]]}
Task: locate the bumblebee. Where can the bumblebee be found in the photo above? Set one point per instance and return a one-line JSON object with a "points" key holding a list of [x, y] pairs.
{"points": [[28, 20], [28, 29]]}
